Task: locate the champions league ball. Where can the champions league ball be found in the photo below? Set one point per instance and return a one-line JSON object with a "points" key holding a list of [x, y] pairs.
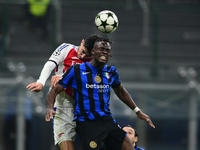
{"points": [[106, 21]]}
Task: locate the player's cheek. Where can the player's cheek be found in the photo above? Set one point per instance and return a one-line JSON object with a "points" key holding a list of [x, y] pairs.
{"points": [[83, 56]]}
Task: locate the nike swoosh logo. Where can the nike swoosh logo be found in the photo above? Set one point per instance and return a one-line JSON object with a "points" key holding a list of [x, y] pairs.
{"points": [[85, 72]]}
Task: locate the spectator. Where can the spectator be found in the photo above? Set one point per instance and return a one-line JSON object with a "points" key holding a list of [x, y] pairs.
{"points": [[133, 135], [37, 14]]}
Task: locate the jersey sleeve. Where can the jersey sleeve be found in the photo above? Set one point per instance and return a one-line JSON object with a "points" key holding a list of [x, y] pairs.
{"points": [[46, 72], [67, 77], [60, 53], [116, 79]]}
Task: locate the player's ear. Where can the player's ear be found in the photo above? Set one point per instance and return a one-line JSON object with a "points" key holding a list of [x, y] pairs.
{"points": [[82, 41], [92, 51], [136, 139]]}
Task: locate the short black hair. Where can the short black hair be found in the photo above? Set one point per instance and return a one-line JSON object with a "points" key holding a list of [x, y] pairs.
{"points": [[89, 42], [136, 133], [103, 39]]}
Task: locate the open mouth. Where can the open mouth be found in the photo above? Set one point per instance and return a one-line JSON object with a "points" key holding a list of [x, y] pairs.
{"points": [[103, 57]]}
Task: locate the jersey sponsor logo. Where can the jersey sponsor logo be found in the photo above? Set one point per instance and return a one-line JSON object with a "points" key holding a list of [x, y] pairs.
{"points": [[101, 88], [56, 52], [59, 135], [93, 144], [96, 86]]}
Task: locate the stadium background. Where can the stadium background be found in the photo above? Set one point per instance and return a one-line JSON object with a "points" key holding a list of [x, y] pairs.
{"points": [[156, 51]]}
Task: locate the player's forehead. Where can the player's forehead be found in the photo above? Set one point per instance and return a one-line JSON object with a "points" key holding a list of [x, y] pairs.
{"points": [[103, 44], [128, 129]]}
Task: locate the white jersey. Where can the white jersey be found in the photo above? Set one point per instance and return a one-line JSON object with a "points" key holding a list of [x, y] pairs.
{"points": [[61, 59], [64, 56]]}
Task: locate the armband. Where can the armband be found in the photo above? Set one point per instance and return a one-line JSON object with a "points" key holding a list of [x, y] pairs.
{"points": [[136, 109]]}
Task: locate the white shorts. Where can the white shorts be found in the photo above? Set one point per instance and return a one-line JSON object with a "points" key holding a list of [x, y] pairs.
{"points": [[63, 126]]}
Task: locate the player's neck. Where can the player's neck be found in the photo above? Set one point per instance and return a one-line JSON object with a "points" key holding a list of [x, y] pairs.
{"points": [[96, 64]]}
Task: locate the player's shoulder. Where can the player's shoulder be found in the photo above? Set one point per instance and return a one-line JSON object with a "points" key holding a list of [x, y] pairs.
{"points": [[110, 68], [65, 46], [81, 66], [139, 148], [61, 52], [77, 65], [74, 67]]}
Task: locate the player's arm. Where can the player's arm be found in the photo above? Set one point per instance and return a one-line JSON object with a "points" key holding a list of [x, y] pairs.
{"points": [[56, 58], [124, 96], [44, 75], [55, 79], [59, 55], [50, 100], [66, 81]]}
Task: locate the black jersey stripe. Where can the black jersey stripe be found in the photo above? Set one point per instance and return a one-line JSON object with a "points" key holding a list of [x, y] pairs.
{"points": [[91, 92], [79, 88], [53, 62], [65, 74], [101, 98]]}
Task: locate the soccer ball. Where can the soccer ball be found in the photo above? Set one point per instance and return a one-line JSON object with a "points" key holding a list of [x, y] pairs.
{"points": [[106, 21]]}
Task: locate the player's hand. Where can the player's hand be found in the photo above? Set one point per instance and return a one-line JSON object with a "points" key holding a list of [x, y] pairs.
{"points": [[145, 117], [35, 86], [49, 114], [55, 79]]}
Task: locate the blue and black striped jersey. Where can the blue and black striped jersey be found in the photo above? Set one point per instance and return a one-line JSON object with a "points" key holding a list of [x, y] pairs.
{"points": [[91, 89], [138, 148]]}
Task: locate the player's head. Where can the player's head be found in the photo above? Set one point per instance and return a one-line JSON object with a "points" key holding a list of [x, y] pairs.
{"points": [[101, 51], [84, 50], [89, 42], [131, 133]]}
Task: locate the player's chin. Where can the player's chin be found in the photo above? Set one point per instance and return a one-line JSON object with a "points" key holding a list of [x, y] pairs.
{"points": [[83, 57], [103, 62]]}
